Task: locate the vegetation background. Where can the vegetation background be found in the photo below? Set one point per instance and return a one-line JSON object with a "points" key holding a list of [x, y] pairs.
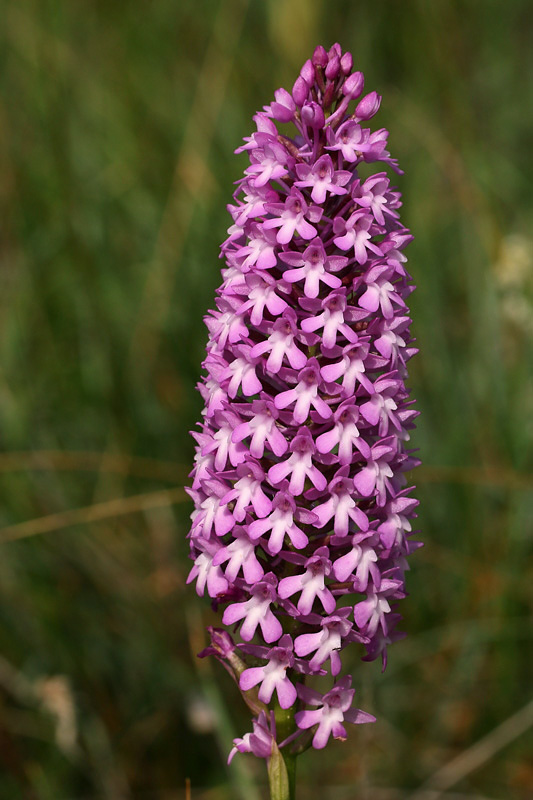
{"points": [[118, 121]]}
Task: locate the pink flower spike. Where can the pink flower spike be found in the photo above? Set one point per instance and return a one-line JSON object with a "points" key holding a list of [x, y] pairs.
{"points": [[301, 527]]}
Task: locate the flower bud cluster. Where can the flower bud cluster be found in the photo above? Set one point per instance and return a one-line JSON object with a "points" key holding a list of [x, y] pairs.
{"points": [[302, 517]]}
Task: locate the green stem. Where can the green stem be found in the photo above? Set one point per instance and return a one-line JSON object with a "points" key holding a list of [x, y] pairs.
{"points": [[290, 763], [282, 768]]}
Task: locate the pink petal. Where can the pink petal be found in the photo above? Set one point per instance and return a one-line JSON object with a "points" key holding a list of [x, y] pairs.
{"points": [[358, 717], [251, 677], [371, 412], [234, 613], [285, 398], [365, 481], [262, 505], [286, 693], [306, 643], [251, 384], [270, 627], [289, 585], [322, 735], [306, 719], [370, 299], [278, 472]]}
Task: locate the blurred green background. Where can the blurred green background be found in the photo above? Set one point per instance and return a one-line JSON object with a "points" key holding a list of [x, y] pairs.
{"points": [[118, 121]]}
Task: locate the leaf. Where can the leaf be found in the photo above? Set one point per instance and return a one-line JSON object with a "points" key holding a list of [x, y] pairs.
{"points": [[278, 777]]}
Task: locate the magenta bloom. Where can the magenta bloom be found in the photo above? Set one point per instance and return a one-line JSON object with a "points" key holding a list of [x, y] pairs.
{"points": [[273, 676], [259, 742], [299, 485], [335, 707]]}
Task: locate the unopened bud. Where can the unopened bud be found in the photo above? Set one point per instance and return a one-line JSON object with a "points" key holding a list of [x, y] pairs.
{"points": [[222, 645], [346, 63], [313, 116], [300, 90], [283, 107], [368, 106], [333, 67], [320, 57], [307, 72], [353, 85]]}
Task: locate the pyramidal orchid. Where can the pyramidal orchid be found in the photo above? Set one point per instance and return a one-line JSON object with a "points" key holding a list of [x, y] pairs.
{"points": [[302, 518]]}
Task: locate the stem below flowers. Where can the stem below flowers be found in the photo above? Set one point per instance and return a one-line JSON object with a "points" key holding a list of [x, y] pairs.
{"points": [[290, 763], [282, 765]]}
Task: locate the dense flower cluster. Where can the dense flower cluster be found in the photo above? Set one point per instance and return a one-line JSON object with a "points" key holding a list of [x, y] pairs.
{"points": [[302, 518]]}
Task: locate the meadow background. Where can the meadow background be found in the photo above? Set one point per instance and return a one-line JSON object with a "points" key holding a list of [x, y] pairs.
{"points": [[118, 121]]}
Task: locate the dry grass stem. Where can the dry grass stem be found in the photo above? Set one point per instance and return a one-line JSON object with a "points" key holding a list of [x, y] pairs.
{"points": [[477, 755], [191, 175], [93, 513], [66, 461]]}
